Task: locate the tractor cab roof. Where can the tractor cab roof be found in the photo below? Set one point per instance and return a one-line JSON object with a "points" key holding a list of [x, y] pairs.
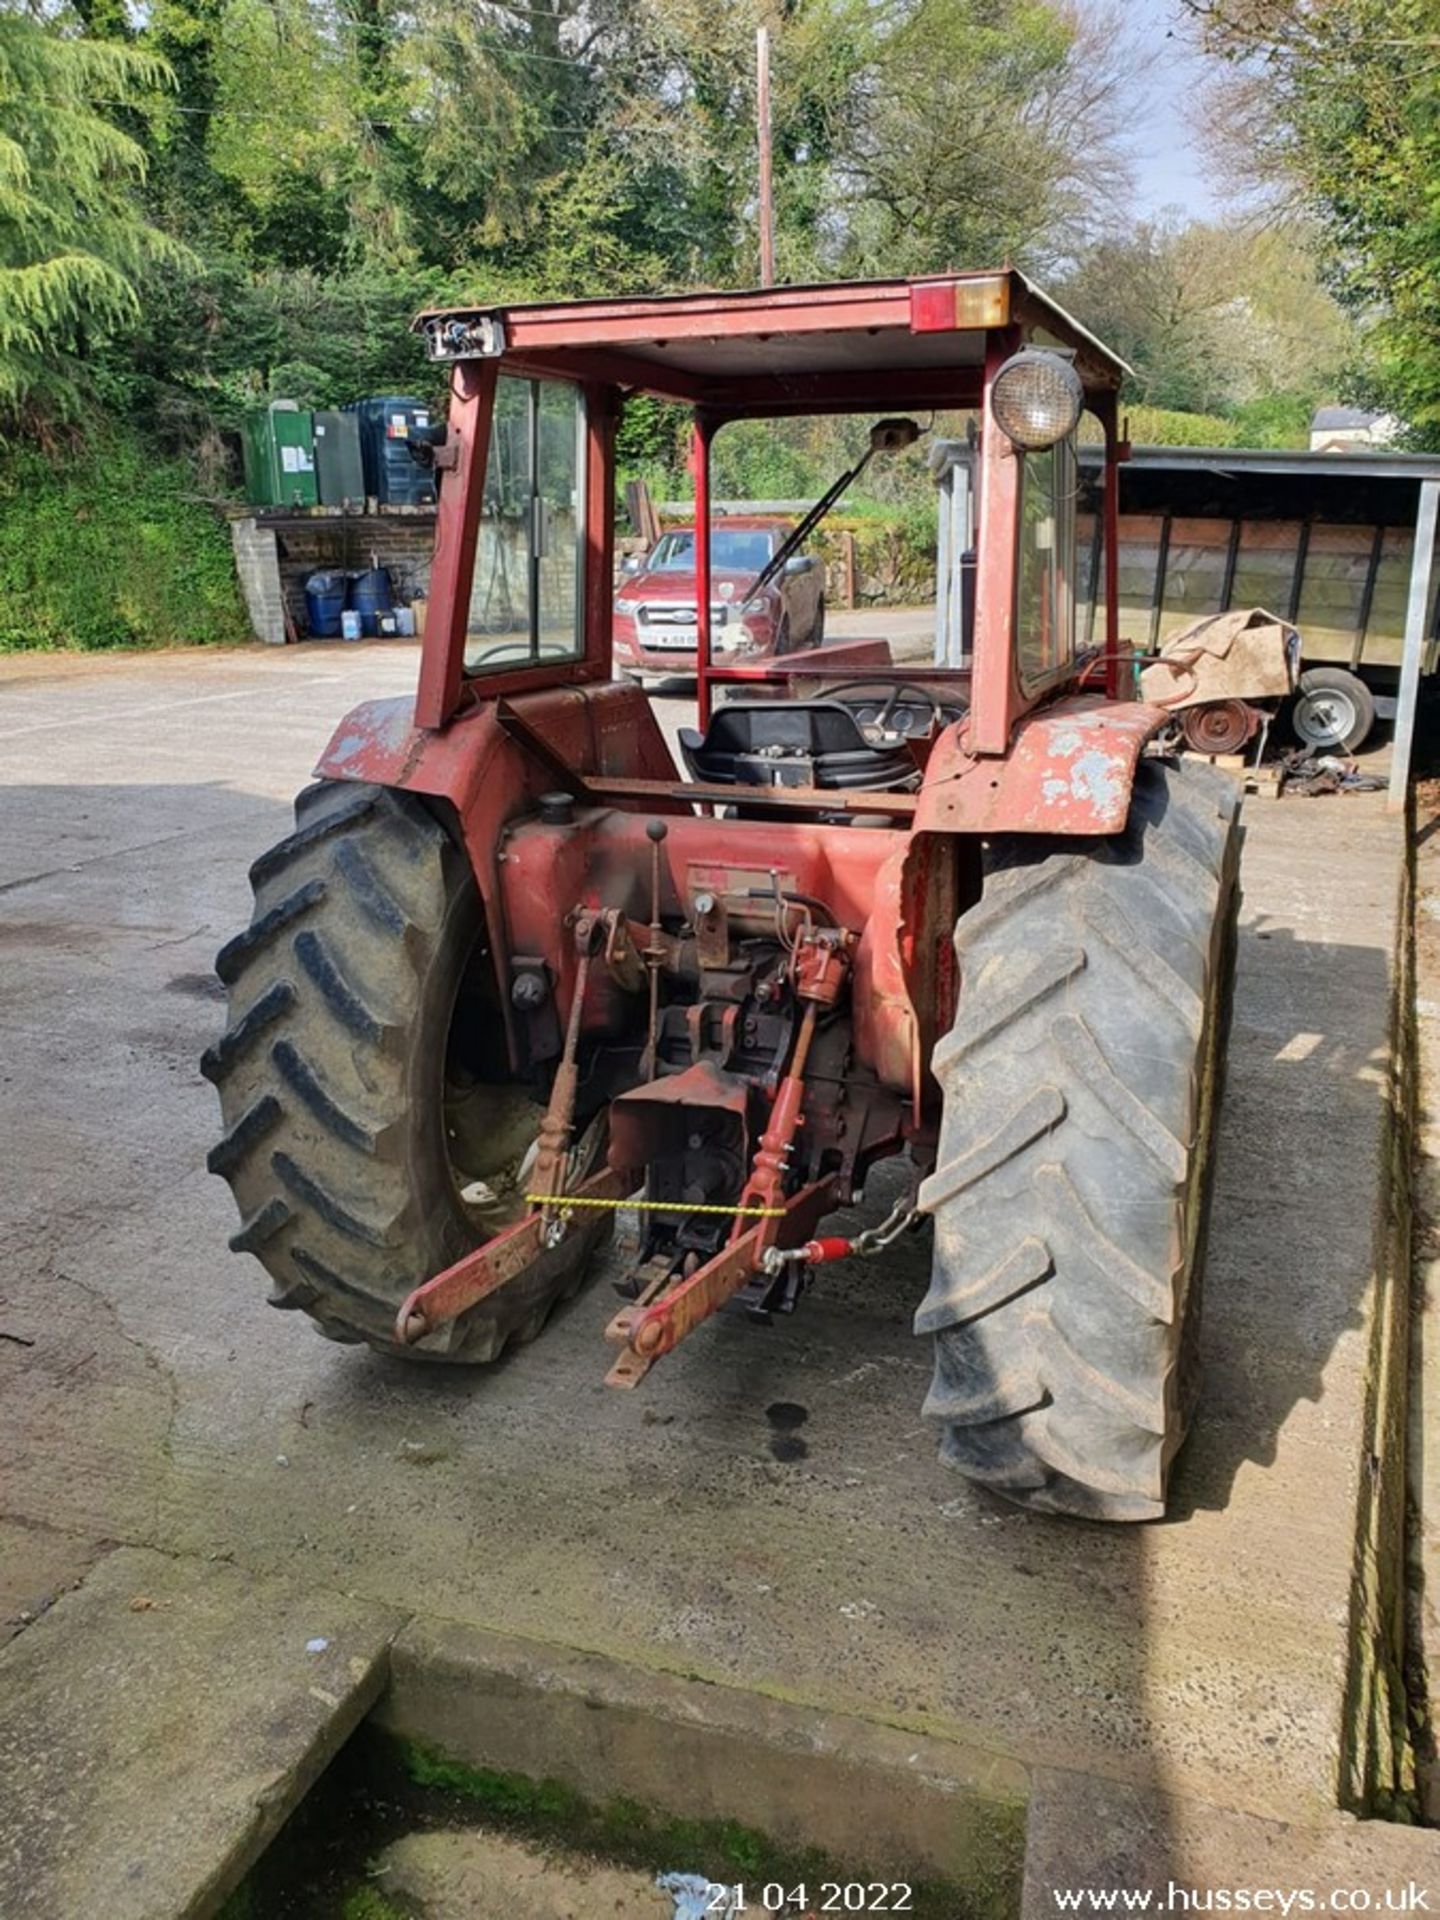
{"points": [[851, 345]]}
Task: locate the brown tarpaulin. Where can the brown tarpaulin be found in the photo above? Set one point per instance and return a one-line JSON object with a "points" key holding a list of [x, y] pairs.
{"points": [[1246, 654]]}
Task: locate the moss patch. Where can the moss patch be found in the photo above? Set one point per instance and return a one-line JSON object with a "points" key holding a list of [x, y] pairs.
{"points": [[364, 1903], [629, 1834], [323, 1865]]}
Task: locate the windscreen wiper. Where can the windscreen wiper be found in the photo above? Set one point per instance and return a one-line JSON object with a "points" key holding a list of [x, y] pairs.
{"points": [[886, 436]]}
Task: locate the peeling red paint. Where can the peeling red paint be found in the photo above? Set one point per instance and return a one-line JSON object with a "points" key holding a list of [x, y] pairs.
{"points": [[1069, 771]]}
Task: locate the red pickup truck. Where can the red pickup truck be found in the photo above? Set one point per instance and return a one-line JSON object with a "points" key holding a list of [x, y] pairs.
{"points": [[655, 634]]}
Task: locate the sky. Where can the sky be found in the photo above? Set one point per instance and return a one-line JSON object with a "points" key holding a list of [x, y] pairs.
{"points": [[1170, 168]]}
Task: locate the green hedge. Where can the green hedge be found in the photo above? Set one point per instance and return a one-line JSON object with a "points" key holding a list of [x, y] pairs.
{"points": [[109, 546], [894, 553], [1163, 427]]}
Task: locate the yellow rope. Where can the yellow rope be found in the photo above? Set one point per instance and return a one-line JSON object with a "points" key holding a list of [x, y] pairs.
{"points": [[564, 1200]]}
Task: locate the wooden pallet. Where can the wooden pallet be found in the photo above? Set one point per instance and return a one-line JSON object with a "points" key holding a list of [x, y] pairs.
{"points": [[1263, 781]]}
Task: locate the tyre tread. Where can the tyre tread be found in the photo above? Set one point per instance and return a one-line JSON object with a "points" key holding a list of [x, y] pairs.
{"points": [[318, 1077], [1063, 1266]]}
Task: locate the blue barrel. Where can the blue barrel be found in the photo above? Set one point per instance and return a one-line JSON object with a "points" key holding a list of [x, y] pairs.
{"points": [[324, 603], [370, 597]]}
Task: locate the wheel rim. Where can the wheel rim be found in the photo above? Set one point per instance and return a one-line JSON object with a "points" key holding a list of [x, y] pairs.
{"points": [[490, 1145], [1325, 718], [1223, 727], [491, 1125]]}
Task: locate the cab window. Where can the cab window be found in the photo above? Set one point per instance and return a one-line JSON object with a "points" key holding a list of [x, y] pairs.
{"points": [[1045, 588], [526, 600]]}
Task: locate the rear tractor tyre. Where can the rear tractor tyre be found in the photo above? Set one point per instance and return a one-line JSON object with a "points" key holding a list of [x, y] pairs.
{"points": [[1081, 1086], [371, 1138]]}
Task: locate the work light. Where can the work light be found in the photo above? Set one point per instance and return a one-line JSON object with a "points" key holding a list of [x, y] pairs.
{"points": [[1037, 399]]}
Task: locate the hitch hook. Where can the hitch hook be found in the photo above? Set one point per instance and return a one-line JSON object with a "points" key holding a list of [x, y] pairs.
{"points": [[864, 1245]]}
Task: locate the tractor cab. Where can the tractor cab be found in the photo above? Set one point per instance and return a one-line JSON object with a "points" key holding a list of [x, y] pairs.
{"points": [[522, 594]]}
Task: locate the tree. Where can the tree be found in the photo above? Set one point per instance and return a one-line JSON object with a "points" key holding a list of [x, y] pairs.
{"points": [[74, 240], [326, 160], [1343, 104], [987, 131], [1214, 317]]}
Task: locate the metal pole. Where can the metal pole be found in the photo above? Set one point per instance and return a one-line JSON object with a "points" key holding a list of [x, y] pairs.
{"points": [[1110, 510], [1232, 561], [1157, 591], [700, 456], [959, 546], [1297, 579], [1421, 567], [944, 522], [767, 203], [1367, 598], [1097, 561]]}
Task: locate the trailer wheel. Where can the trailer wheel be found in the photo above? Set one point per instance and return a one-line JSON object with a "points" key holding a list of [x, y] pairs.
{"points": [[1081, 1083], [372, 1136], [1333, 711]]}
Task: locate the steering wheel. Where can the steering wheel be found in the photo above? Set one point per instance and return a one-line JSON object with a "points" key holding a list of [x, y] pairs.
{"points": [[883, 718], [520, 648]]}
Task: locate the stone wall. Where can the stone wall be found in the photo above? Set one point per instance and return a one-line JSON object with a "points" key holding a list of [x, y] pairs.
{"points": [[257, 565]]}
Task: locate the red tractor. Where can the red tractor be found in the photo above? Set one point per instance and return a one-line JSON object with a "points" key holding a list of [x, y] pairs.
{"points": [[515, 970]]}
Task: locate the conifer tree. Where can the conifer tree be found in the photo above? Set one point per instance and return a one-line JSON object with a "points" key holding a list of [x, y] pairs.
{"points": [[74, 238]]}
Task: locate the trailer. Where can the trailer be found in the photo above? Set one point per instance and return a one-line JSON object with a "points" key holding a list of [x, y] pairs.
{"points": [[1326, 541]]}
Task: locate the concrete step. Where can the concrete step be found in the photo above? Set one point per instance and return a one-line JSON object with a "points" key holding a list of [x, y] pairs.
{"points": [[871, 1798], [159, 1724], [859, 1792]]}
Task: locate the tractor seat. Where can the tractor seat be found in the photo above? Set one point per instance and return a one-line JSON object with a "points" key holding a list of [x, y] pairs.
{"points": [[794, 743]]}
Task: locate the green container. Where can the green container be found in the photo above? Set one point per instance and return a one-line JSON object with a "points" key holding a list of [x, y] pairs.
{"points": [[339, 468], [279, 449]]}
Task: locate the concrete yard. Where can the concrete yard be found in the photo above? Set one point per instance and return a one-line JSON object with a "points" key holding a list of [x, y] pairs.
{"points": [[152, 1400]]}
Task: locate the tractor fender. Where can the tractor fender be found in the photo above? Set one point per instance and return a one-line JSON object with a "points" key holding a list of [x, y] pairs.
{"points": [[599, 729], [379, 743], [1069, 770]]}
